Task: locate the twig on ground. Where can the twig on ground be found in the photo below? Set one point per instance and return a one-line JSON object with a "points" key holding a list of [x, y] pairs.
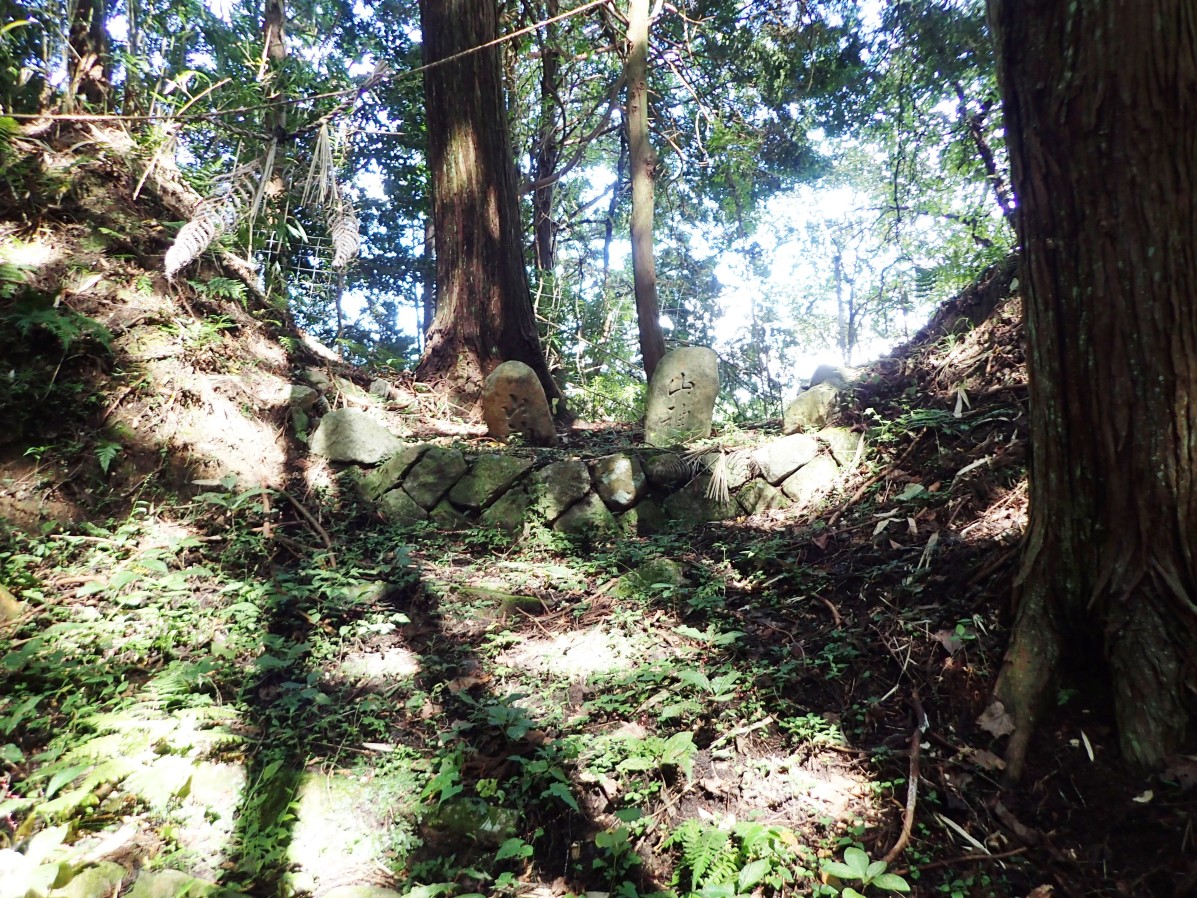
{"points": [[912, 784], [741, 731], [964, 859], [312, 522]]}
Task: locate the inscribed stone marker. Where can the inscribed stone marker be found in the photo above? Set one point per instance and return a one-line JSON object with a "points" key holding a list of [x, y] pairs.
{"points": [[681, 397], [513, 401]]}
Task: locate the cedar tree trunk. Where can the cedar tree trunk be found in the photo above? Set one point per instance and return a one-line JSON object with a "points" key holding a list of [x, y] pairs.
{"points": [[547, 152], [88, 57], [644, 271], [484, 312], [1101, 117]]}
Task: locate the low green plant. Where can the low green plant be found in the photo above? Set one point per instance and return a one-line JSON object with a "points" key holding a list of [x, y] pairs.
{"points": [[858, 868], [739, 859]]}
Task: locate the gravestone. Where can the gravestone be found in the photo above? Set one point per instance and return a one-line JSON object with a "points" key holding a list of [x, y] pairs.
{"points": [[513, 401], [681, 397]]}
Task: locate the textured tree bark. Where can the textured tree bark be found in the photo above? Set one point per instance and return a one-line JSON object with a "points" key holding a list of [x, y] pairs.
{"points": [[643, 161], [88, 57], [1102, 129], [547, 152], [484, 312]]}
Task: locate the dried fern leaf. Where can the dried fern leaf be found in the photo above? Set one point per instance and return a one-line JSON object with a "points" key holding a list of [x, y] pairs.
{"points": [[344, 232], [321, 183], [214, 216]]}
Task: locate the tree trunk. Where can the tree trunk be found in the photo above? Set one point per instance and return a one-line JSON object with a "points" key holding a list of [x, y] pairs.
{"points": [[547, 152], [88, 58], [484, 312], [1102, 130], [643, 161]]}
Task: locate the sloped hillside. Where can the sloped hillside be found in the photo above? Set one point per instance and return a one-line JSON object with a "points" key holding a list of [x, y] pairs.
{"points": [[222, 673]]}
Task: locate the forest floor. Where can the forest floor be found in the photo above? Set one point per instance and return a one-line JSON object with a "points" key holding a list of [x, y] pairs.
{"points": [[253, 685]]}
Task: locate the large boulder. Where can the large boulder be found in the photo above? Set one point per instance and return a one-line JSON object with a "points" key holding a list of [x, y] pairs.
{"points": [[781, 458], [681, 397], [351, 435], [513, 401]]}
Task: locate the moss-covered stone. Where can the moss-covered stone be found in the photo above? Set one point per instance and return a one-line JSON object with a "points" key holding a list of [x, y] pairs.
{"points": [[487, 479]]}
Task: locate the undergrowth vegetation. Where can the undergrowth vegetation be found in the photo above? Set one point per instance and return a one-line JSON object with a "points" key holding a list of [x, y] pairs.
{"points": [[637, 716]]}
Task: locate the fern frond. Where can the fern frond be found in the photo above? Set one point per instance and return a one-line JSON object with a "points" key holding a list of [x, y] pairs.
{"points": [[214, 216], [344, 232]]}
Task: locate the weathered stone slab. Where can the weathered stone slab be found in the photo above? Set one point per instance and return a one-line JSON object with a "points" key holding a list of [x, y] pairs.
{"points": [[508, 512], [830, 374], [557, 486], [513, 401], [667, 469], [399, 507], [391, 472], [810, 480], [781, 458], [681, 397], [489, 477], [446, 517], [760, 496], [349, 434], [302, 397], [433, 475], [620, 480], [691, 505], [842, 442], [644, 519], [736, 467], [588, 515], [811, 410]]}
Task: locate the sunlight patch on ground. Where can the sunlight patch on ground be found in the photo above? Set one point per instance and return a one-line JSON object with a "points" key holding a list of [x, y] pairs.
{"points": [[577, 654], [348, 826], [376, 669], [789, 785]]}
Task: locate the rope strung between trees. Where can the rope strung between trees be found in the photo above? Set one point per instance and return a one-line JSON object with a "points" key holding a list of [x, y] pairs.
{"points": [[380, 74]]}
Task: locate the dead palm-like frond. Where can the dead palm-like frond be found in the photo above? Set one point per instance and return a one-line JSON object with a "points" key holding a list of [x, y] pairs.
{"points": [[344, 232], [234, 197]]}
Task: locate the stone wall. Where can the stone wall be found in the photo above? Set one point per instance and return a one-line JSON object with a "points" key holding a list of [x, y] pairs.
{"points": [[639, 490]]}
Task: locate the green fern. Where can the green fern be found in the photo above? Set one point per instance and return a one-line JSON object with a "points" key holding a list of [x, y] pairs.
{"points": [[707, 854]]}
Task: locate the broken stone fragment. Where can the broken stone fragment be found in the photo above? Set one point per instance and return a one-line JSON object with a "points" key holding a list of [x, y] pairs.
{"points": [[351, 435], [302, 397], [513, 401], [691, 506], [644, 519], [620, 480], [681, 397], [842, 442]]}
